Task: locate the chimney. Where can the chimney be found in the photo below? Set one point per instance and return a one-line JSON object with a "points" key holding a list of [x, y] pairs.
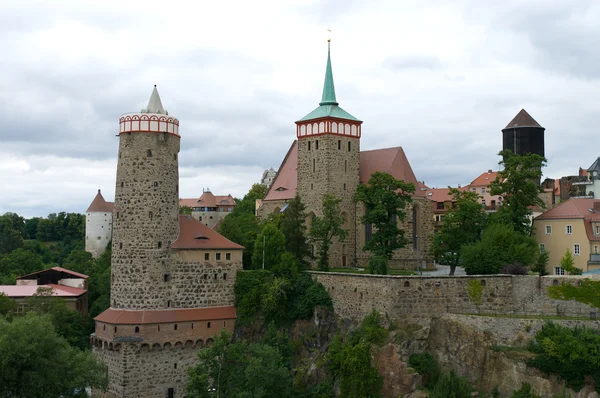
{"points": [[597, 205], [490, 171], [459, 186]]}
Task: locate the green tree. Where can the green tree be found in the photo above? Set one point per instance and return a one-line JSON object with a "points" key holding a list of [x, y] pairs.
{"points": [[385, 200], [293, 226], [19, 262], [185, 210], [500, 244], [36, 362], [325, 229], [567, 262], [518, 184], [525, 392], [268, 248], [7, 304], [80, 261], [99, 283], [463, 224], [241, 225], [542, 263], [451, 386], [239, 369], [68, 324], [378, 265], [11, 234]]}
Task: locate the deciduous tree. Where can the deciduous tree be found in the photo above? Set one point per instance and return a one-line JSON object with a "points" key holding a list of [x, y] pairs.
{"points": [[293, 226], [268, 248], [385, 199], [518, 184], [462, 225], [324, 229]]}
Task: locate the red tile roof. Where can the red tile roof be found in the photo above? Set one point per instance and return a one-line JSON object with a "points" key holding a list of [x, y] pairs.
{"points": [[130, 317], [388, 160], [195, 235], [484, 179], [422, 186], [439, 194], [208, 200], [58, 269], [523, 119], [285, 183], [100, 205], [30, 290], [576, 208]]}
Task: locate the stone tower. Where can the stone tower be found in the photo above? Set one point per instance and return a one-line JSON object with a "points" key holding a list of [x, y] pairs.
{"points": [[172, 277], [146, 206], [329, 162]]}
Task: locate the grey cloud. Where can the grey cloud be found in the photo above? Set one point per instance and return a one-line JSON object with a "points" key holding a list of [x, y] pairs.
{"points": [[402, 62]]}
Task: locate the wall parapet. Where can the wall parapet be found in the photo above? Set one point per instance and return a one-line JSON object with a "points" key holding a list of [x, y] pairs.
{"points": [[422, 297]]}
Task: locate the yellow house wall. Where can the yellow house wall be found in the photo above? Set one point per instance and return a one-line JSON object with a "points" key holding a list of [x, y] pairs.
{"points": [[559, 241]]}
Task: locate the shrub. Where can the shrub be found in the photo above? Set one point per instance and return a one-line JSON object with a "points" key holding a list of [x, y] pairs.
{"points": [[426, 366], [451, 386], [572, 354], [514, 269], [378, 265], [588, 292], [525, 392]]}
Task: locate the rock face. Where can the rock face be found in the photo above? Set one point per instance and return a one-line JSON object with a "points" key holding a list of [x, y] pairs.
{"points": [[465, 343]]}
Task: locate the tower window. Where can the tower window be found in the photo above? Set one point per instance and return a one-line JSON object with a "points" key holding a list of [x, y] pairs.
{"points": [[120, 245], [227, 256], [314, 165], [169, 303], [137, 329], [316, 144], [345, 166], [175, 365], [344, 186], [175, 327], [309, 145], [311, 187], [117, 214], [115, 329], [159, 245], [122, 183], [218, 256], [208, 325], [206, 256], [150, 215], [149, 153], [167, 277], [339, 144], [349, 146], [224, 277], [175, 157]]}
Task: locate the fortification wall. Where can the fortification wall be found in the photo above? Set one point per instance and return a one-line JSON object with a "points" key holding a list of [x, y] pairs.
{"points": [[147, 372], [419, 298]]}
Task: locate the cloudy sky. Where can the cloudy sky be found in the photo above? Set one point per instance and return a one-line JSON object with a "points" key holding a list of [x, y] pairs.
{"points": [[439, 78]]}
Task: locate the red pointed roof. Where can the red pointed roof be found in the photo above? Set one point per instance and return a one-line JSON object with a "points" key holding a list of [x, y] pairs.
{"points": [[576, 208], [100, 205], [195, 235], [523, 119], [388, 160], [286, 180], [484, 179]]}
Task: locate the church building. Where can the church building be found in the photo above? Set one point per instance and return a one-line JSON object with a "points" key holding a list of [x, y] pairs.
{"points": [[172, 277], [326, 158]]}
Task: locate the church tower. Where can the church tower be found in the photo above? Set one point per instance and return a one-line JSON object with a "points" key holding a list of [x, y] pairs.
{"points": [[146, 214], [329, 162], [523, 135]]}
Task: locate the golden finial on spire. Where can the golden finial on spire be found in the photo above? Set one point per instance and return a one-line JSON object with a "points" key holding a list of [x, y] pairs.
{"points": [[328, 34]]}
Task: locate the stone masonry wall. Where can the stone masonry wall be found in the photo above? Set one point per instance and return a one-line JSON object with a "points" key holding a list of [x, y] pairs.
{"points": [[335, 171], [419, 298], [145, 219], [149, 372]]}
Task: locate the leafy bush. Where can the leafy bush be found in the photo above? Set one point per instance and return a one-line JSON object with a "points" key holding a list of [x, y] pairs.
{"points": [[451, 386], [572, 354], [525, 392], [514, 269], [350, 360], [425, 365], [378, 265], [500, 244], [588, 292]]}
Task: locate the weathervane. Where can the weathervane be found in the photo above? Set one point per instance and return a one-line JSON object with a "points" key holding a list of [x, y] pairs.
{"points": [[329, 34]]}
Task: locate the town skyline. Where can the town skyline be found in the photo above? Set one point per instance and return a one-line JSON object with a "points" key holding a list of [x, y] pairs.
{"points": [[444, 95]]}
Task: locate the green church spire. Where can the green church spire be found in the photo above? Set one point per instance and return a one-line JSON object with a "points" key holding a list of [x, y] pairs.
{"points": [[328, 88]]}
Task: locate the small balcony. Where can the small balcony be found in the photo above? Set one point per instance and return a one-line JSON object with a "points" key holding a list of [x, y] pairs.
{"points": [[594, 259]]}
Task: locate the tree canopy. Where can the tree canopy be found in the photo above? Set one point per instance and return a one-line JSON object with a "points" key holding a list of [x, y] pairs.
{"points": [[324, 229], [293, 226], [385, 199], [36, 362], [462, 225], [519, 185], [268, 248]]}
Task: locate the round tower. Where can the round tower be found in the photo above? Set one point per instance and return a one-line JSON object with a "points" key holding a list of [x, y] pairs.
{"points": [[146, 213]]}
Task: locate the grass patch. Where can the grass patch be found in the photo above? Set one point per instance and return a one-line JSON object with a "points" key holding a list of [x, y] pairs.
{"points": [[391, 271]]}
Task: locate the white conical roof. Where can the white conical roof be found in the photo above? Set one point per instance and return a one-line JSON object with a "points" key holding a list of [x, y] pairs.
{"points": [[155, 105]]}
